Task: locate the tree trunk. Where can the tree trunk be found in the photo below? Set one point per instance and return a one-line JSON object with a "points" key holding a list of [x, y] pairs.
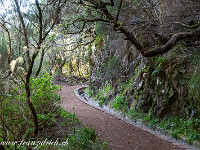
{"points": [[33, 111], [40, 65], [78, 67], [28, 93], [62, 65], [70, 67]]}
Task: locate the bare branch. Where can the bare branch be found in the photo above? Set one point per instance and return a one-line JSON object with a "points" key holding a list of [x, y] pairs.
{"points": [[24, 28]]}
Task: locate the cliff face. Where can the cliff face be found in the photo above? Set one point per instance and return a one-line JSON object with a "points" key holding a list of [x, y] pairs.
{"points": [[167, 84]]}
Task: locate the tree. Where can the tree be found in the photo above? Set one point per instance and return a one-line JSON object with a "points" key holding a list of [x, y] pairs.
{"points": [[110, 13], [35, 28]]}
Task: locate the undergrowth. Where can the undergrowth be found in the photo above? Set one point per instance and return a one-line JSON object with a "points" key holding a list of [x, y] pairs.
{"points": [[55, 124]]}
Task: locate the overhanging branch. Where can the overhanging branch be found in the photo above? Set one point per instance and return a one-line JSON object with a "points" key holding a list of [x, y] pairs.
{"points": [[84, 23], [131, 37]]}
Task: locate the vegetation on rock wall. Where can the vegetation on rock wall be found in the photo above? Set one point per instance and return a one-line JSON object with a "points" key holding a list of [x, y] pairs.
{"points": [[163, 85], [158, 94], [162, 90]]}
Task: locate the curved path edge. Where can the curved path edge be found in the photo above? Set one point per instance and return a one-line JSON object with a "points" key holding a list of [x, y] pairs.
{"points": [[142, 127]]}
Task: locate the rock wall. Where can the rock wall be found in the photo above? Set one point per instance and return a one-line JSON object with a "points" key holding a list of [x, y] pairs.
{"points": [[162, 84]]}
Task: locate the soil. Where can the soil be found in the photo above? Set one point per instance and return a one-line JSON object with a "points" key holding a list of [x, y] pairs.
{"points": [[119, 134]]}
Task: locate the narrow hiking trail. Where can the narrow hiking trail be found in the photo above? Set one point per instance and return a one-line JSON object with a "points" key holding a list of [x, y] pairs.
{"points": [[119, 134]]}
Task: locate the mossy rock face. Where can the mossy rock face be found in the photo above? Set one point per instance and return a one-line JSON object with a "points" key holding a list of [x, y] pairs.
{"points": [[163, 85], [157, 93]]}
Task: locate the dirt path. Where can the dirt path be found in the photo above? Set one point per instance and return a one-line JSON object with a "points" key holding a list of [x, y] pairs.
{"points": [[118, 134]]}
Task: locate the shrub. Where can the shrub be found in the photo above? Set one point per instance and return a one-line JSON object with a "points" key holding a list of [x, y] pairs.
{"points": [[120, 103]]}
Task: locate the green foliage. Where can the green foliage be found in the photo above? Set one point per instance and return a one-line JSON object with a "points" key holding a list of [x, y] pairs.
{"points": [[112, 10], [14, 106], [78, 63], [88, 91], [120, 103], [137, 72], [49, 118], [99, 29], [180, 126], [176, 126], [194, 87], [3, 55], [83, 138], [50, 115], [194, 81], [44, 92], [102, 95], [112, 67], [98, 41]]}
